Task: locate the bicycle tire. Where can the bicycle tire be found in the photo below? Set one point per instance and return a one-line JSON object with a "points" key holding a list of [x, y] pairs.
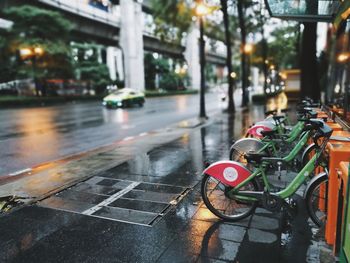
{"points": [[316, 200], [308, 154], [215, 210]]}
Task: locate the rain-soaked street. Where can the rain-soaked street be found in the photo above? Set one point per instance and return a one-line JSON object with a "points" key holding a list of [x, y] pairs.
{"points": [[32, 136], [148, 209]]}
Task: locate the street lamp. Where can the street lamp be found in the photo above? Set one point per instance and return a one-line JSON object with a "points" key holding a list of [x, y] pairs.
{"points": [[233, 75], [32, 53], [343, 58], [248, 48], [201, 10]]}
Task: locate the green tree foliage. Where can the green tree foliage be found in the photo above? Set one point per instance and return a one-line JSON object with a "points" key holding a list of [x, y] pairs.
{"points": [[36, 27], [168, 78], [282, 47], [7, 63], [88, 68], [96, 74], [150, 71], [172, 17]]}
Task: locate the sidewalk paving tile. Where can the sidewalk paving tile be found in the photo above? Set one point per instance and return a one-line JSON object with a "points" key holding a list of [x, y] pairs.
{"points": [[264, 222], [259, 236]]}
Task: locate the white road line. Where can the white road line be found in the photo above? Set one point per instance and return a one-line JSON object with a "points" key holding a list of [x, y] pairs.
{"points": [[143, 134], [128, 138], [20, 172], [110, 199]]}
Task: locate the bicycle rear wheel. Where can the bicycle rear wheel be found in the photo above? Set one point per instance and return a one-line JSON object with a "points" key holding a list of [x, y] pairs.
{"points": [[316, 201], [214, 195]]}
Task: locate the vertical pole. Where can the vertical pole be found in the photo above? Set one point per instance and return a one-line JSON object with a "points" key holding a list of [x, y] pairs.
{"points": [[231, 84], [202, 113], [240, 9], [34, 75], [248, 73]]}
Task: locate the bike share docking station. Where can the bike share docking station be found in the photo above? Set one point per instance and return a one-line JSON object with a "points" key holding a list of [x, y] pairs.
{"points": [[336, 202], [326, 194]]}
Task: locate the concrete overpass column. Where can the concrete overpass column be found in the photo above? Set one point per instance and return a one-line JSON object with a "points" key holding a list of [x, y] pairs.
{"points": [[131, 42], [111, 63], [192, 56], [115, 63]]}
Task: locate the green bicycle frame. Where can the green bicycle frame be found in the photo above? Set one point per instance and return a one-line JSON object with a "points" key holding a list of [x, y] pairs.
{"points": [[295, 132], [297, 148], [293, 186]]}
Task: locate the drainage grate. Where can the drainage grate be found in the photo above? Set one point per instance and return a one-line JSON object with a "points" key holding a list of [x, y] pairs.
{"points": [[118, 200]]}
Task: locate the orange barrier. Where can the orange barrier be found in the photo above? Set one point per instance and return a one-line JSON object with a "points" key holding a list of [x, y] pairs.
{"points": [[345, 232], [334, 126], [342, 183], [337, 131], [338, 152], [322, 115], [341, 133], [344, 175]]}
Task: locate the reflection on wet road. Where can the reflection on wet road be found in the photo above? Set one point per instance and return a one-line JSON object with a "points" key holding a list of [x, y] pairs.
{"points": [[32, 136]]}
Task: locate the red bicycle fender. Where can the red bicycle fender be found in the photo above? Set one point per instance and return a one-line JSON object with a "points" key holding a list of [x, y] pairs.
{"points": [[228, 172], [257, 129]]}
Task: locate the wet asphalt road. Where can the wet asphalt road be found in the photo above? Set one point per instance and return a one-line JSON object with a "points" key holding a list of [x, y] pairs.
{"points": [[35, 135]]}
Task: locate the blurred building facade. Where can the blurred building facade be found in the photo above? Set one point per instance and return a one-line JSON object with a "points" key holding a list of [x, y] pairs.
{"points": [[124, 32]]}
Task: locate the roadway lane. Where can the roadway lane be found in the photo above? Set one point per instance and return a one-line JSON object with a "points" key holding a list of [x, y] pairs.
{"points": [[32, 136]]}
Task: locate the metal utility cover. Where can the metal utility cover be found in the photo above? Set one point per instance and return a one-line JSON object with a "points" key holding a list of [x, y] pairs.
{"points": [[118, 200]]}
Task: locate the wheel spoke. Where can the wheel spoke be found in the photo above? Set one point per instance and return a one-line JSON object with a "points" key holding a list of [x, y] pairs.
{"points": [[317, 202], [216, 199]]}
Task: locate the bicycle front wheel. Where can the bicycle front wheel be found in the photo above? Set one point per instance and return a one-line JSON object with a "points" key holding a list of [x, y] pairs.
{"points": [[215, 197]]}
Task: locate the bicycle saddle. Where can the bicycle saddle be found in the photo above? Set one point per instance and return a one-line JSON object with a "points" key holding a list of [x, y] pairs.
{"points": [[324, 131], [316, 123], [304, 110], [268, 133], [308, 115], [271, 112], [313, 114], [255, 157], [278, 117]]}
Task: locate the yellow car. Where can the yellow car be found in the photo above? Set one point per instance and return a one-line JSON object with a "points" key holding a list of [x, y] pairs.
{"points": [[124, 98]]}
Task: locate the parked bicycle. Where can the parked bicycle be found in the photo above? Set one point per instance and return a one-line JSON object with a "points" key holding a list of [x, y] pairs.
{"points": [[232, 192], [277, 145]]}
